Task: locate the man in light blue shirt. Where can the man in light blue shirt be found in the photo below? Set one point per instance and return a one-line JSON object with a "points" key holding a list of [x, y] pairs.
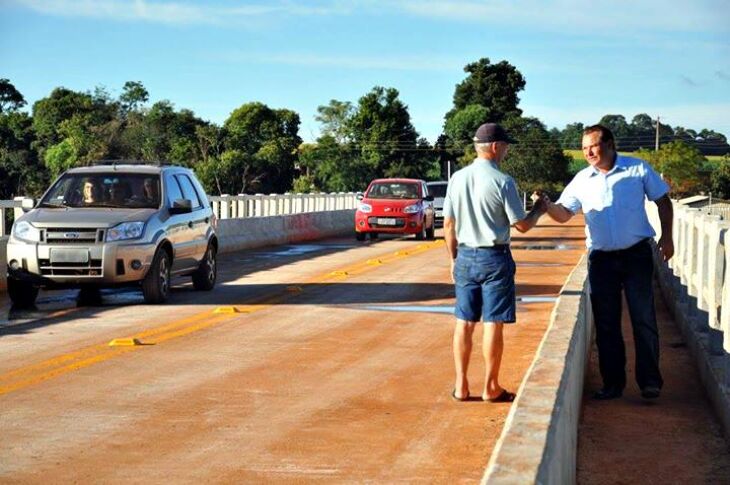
{"points": [[611, 193], [480, 206]]}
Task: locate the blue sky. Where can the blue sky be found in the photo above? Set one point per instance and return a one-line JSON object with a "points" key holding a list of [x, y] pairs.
{"points": [[581, 59]]}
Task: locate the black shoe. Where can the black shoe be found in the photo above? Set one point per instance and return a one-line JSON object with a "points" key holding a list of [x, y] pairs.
{"points": [[608, 393], [650, 392]]}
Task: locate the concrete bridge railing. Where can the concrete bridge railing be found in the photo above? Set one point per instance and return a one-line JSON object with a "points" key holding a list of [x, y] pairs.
{"points": [[260, 205], [696, 286]]}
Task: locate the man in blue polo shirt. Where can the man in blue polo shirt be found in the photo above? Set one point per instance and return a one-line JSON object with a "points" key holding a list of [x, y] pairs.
{"points": [[611, 193], [480, 206]]}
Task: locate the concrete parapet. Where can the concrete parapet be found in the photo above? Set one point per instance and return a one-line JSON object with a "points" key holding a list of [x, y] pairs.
{"points": [[540, 436], [253, 232], [704, 339]]}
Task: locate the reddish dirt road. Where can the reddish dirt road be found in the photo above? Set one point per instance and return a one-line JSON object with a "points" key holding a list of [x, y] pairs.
{"points": [[328, 374]]}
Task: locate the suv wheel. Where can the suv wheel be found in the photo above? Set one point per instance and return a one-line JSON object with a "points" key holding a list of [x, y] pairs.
{"points": [[360, 236], [156, 285], [21, 293], [205, 276]]}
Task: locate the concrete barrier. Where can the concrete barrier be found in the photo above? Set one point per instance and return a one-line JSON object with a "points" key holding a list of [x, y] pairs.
{"points": [[253, 232], [696, 286], [540, 437]]}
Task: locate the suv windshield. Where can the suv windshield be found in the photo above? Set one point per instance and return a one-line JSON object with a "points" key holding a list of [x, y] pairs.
{"points": [[393, 190], [121, 190]]}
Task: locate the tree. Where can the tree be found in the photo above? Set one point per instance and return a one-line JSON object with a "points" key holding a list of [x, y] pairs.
{"points": [[679, 163], [387, 143], [571, 138], [493, 86], [260, 147], [10, 98], [134, 94], [489, 93], [20, 171], [720, 180], [537, 161], [335, 118]]}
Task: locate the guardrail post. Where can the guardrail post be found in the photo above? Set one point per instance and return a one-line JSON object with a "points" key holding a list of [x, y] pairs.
{"points": [[225, 209]]}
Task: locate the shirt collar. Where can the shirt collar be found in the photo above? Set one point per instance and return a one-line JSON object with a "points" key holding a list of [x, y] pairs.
{"points": [[486, 160], [618, 166]]}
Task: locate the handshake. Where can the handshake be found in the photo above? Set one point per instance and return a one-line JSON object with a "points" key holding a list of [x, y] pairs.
{"points": [[540, 201]]}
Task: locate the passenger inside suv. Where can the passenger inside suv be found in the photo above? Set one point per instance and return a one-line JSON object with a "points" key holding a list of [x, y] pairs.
{"points": [[118, 193], [91, 191]]}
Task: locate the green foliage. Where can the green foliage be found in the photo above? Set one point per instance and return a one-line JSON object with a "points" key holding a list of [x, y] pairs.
{"points": [[537, 158], [20, 173], [679, 164], [133, 96], [304, 184], [61, 157], [373, 139], [10, 98], [572, 136], [493, 86], [260, 148], [720, 180]]}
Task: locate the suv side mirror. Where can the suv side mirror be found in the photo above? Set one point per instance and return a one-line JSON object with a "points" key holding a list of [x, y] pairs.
{"points": [[428, 198], [181, 206], [27, 204], [360, 196]]}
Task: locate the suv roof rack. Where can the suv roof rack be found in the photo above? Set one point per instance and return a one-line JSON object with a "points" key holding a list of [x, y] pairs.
{"points": [[156, 163]]}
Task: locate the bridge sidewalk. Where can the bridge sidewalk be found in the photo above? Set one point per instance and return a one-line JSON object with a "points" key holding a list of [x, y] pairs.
{"points": [[675, 439]]}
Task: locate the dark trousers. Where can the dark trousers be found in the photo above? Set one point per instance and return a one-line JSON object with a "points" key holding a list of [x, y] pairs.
{"points": [[632, 270]]}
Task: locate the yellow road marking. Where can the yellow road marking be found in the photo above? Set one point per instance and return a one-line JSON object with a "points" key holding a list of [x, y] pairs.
{"points": [[62, 364]]}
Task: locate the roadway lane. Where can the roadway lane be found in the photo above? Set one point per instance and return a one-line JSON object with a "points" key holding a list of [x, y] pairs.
{"points": [[337, 367]]}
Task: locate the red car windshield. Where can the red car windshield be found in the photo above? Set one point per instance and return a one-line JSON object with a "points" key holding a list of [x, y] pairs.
{"points": [[393, 190]]}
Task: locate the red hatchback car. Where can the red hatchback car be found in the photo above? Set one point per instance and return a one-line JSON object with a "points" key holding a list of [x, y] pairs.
{"points": [[395, 206]]}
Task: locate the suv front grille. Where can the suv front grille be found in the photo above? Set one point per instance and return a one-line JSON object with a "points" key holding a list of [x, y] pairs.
{"points": [[73, 235], [92, 268]]}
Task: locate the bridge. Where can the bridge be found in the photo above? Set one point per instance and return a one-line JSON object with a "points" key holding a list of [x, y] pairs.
{"points": [[318, 358]]}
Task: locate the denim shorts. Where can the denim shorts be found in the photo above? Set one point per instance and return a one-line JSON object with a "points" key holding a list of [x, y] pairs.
{"points": [[485, 284]]}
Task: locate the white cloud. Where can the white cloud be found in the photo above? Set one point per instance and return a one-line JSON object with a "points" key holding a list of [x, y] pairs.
{"points": [[604, 19], [176, 12]]}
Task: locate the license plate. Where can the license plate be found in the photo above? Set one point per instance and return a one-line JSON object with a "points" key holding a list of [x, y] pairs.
{"points": [[69, 255], [386, 222]]}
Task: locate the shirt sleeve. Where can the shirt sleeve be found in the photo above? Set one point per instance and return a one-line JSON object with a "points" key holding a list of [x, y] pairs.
{"points": [[569, 198], [512, 202], [448, 209], [654, 186]]}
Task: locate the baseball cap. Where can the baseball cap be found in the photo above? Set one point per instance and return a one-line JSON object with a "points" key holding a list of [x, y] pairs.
{"points": [[491, 132]]}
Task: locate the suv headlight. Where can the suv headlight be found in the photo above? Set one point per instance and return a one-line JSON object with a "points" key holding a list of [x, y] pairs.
{"points": [[412, 209], [125, 230], [365, 208], [25, 231]]}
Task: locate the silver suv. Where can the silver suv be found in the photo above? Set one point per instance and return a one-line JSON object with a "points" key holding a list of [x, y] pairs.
{"points": [[114, 224]]}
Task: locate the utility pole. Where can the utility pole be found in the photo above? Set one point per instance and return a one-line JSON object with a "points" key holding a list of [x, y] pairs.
{"points": [[656, 140]]}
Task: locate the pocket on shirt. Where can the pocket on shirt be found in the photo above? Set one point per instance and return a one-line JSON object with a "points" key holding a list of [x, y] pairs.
{"points": [[629, 193]]}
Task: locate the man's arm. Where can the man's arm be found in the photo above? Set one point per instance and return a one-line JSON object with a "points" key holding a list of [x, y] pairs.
{"points": [[532, 217], [666, 216], [451, 242], [557, 212]]}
